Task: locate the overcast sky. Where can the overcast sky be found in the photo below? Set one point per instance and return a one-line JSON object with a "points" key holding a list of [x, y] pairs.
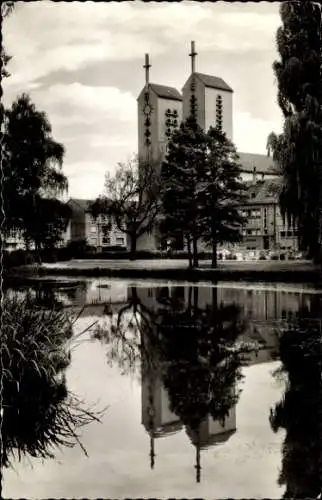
{"points": [[81, 62]]}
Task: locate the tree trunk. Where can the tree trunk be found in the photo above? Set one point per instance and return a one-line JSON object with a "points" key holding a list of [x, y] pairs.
{"points": [[214, 253], [189, 252], [37, 252], [133, 246], [190, 299], [195, 252], [195, 298]]}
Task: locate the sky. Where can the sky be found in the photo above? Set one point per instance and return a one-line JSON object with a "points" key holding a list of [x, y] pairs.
{"points": [[82, 63]]}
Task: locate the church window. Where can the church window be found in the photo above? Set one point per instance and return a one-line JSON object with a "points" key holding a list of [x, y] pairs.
{"points": [[171, 122], [219, 111]]}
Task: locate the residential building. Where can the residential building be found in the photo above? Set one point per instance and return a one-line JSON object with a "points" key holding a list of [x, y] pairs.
{"points": [[14, 241], [100, 232], [265, 228]]}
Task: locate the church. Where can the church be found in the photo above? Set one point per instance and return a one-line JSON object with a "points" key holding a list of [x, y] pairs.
{"points": [[161, 109]]}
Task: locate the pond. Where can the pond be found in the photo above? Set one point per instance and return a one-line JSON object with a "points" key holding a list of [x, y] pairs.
{"points": [[208, 391]]}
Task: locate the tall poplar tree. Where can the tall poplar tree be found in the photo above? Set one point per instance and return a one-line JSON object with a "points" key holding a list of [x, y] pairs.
{"points": [[298, 150]]}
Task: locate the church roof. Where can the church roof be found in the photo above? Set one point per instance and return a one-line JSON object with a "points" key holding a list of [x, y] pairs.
{"points": [[211, 81], [263, 163], [214, 82], [166, 92]]}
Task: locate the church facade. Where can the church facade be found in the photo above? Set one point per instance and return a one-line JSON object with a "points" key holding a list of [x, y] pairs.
{"points": [[161, 109]]}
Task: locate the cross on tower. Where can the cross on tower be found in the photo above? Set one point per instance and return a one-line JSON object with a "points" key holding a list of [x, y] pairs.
{"points": [[147, 66], [193, 55]]}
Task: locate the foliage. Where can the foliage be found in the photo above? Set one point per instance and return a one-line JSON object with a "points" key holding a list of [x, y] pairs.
{"points": [[300, 410], [131, 198], [180, 175], [202, 188], [6, 9], [298, 150], [222, 192], [49, 221], [38, 412], [32, 176]]}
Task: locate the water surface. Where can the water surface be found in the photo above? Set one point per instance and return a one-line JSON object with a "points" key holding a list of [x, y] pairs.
{"points": [[189, 375]]}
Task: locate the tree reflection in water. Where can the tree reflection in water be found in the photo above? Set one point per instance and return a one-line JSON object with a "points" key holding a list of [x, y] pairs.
{"points": [[192, 348], [300, 410], [38, 412]]}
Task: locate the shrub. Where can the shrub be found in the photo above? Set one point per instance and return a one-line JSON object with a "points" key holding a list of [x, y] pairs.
{"points": [[39, 412], [17, 258]]}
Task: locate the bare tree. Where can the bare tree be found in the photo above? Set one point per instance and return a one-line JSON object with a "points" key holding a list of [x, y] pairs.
{"points": [[132, 198]]}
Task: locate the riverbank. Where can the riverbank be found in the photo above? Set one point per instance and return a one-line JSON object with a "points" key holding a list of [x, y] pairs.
{"points": [[266, 271]]}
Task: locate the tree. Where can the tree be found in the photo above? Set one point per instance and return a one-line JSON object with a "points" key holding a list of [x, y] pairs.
{"points": [[222, 191], [50, 220], [6, 10], [299, 412], [131, 198], [298, 150], [32, 176], [202, 189], [180, 176]]}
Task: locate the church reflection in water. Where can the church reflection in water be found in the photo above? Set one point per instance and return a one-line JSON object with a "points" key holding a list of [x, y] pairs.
{"points": [[191, 363], [194, 343], [189, 345]]}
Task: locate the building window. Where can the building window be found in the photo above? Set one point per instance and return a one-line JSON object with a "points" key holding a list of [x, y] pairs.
{"points": [[120, 241], [106, 240], [219, 112], [93, 229], [289, 234], [171, 122], [265, 217], [283, 234]]}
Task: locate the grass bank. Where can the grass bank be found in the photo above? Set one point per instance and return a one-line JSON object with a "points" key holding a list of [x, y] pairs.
{"points": [[287, 272]]}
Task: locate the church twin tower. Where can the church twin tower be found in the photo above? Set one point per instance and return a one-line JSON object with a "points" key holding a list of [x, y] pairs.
{"points": [[161, 109]]}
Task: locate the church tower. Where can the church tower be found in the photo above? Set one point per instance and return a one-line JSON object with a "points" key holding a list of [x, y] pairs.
{"points": [[159, 113], [211, 97]]}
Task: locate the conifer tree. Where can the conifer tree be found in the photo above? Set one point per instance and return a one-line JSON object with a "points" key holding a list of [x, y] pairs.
{"points": [[221, 193], [201, 189], [180, 175], [298, 150]]}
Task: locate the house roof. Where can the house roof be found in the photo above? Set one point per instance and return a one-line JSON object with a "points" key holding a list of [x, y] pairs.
{"points": [[164, 91], [263, 163], [83, 204], [263, 192]]}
